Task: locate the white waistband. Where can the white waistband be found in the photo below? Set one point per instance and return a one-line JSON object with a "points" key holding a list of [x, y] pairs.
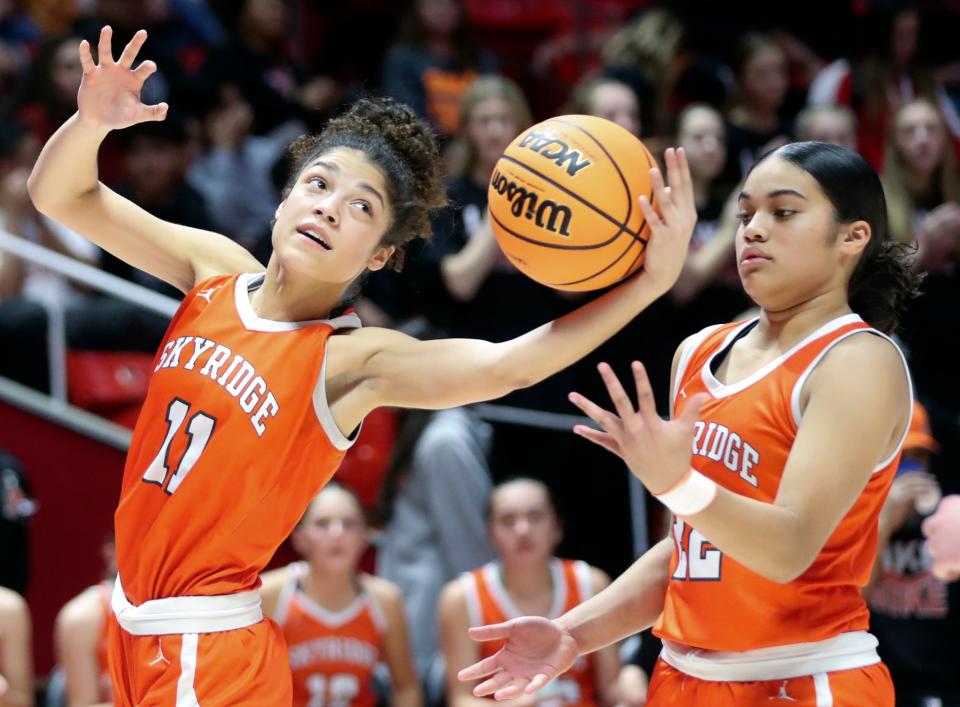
{"points": [[855, 649], [200, 614]]}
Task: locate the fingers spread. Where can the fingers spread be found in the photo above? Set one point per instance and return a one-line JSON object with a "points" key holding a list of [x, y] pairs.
{"points": [[86, 58], [132, 49], [104, 49], [514, 689], [157, 112], [480, 669], [597, 437], [538, 682], [618, 395], [490, 632], [495, 683], [145, 71], [645, 401], [604, 418]]}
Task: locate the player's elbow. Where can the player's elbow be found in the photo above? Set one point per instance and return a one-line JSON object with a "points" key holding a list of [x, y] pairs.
{"points": [[789, 564]]}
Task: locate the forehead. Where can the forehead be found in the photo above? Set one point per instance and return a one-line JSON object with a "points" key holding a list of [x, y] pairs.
{"points": [[774, 173], [701, 120], [334, 501], [519, 495], [917, 113], [495, 105], [350, 164]]}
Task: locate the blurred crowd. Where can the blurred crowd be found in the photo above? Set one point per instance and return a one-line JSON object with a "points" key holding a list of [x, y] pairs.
{"points": [[726, 81]]}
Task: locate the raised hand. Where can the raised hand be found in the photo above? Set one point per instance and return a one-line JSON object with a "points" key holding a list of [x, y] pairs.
{"points": [[656, 450], [109, 95], [537, 650], [671, 222]]}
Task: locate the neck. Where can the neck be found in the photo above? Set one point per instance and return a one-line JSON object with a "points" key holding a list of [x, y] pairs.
{"points": [[527, 582], [754, 117], [918, 183], [787, 327], [701, 192], [440, 46], [333, 591], [281, 299]]}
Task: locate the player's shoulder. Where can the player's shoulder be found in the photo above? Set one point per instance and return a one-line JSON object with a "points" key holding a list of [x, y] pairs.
{"points": [[382, 590], [83, 610], [11, 603], [599, 579], [862, 357]]}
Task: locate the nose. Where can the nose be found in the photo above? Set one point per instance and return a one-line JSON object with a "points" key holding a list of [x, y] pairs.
{"points": [[327, 213], [753, 232]]}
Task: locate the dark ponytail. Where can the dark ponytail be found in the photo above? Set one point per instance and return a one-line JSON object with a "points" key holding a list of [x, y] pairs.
{"points": [[883, 280]]}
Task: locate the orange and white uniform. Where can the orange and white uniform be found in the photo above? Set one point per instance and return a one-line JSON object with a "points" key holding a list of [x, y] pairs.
{"points": [[488, 603], [234, 439], [730, 635], [332, 653]]}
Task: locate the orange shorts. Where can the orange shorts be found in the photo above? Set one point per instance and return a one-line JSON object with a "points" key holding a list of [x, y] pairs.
{"points": [[847, 688], [246, 666]]}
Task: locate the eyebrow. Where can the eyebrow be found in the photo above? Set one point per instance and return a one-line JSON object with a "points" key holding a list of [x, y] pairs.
{"points": [[775, 193], [329, 166]]}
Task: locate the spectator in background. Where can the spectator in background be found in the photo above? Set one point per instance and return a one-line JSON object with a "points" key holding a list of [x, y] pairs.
{"points": [[233, 173], [942, 531], [910, 608], [607, 98], [754, 123], [16, 664], [432, 511], [922, 184], [834, 124], [338, 622], [18, 39], [890, 74], [709, 288], [258, 59], [51, 95], [80, 634], [526, 580], [434, 62]]}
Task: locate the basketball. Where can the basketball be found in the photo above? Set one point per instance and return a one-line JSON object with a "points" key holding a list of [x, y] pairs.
{"points": [[563, 202]]}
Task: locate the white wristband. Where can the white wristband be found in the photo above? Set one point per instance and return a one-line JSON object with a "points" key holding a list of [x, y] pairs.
{"points": [[690, 495]]}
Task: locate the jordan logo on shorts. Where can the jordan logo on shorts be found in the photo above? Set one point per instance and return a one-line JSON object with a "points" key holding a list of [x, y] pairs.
{"points": [[160, 656], [206, 293], [782, 695]]}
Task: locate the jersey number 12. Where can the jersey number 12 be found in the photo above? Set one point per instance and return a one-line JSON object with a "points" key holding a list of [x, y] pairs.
{"points": [[698, 560], [199, 429]]}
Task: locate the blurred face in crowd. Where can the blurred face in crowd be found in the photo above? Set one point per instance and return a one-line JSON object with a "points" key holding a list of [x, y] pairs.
{"points": [[763, 81], [903, 37], [920, 138], [491, 126], [265, 18], [333, 534], [155, 167], [788, 245], [523, 525], [703, 138], [834, 126], [439, 17], [617, 102], [66, 71]]}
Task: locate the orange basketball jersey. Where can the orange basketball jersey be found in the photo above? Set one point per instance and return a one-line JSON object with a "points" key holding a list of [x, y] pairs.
{"points": [[332, 653], [488, 603], [234, 439], [742, 440]]}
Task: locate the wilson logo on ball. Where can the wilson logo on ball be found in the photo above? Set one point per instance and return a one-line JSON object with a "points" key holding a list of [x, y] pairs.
{"points": [[557, 150], [527, 204]]}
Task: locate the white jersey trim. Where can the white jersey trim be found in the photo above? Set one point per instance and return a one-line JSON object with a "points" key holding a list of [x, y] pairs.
{"points": [[581, 570], [325, 417], [253, 322], [492, 575], [333, 619], [687, 354], [196, 614], [469, 584], [847, 651], [801, 381], [186, 695], [723, 390], [289, 588]]}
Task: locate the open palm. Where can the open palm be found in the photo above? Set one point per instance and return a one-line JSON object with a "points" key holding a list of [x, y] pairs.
{"points": [[537, 650], [109, 95]]}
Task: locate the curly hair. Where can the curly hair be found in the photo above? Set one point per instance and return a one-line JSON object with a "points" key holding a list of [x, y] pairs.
{"points": [[403, 147]]}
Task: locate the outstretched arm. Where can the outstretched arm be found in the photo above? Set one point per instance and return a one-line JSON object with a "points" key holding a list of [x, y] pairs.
{"points": [[401, 371], [65, 187]]}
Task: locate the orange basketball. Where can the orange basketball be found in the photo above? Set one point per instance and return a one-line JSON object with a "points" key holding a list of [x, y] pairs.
{"points": [[563, 202]]}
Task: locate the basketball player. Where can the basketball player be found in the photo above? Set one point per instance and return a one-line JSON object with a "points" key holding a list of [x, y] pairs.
{"points": [[339, 623], [525, 578], [81, 634], [795, 421], [942, 531], [261, 383]]}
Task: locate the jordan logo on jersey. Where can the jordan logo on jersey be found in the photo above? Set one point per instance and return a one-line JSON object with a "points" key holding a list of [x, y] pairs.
{"points": [[240, 378], [205, 294], [719, 444]]}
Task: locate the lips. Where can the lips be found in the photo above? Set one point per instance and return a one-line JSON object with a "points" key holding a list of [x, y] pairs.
{"points": [[752, 255], [314, 235]]}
